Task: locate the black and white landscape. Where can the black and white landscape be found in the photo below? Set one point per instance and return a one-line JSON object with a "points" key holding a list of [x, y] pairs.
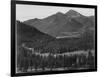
{"points": [[61, 41]]}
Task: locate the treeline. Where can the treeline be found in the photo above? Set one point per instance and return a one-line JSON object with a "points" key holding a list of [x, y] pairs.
{"points": [[26, 61]]}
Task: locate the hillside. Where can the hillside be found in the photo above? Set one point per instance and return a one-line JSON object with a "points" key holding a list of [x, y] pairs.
{"points": [[30, 35]]}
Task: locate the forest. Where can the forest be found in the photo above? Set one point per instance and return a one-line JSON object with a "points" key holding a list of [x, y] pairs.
{"points": [[32, 62]]}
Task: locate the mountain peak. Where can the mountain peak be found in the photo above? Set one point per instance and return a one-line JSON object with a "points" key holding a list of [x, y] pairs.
{"points": [[72, 13], [59, 13]]}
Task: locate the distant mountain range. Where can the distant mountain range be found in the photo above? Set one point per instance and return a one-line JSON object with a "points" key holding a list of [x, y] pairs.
{"points": [[70, 30], [60, 25]]}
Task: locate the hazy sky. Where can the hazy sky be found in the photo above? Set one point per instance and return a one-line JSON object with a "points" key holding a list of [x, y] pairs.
{"points": [[25, 12]]}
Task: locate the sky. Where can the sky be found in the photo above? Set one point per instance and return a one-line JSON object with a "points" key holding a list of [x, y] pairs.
{"points": [[25, 12]]}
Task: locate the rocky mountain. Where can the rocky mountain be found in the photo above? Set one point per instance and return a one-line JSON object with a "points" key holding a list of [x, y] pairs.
{"points": [[70, 31], [59, 25]]}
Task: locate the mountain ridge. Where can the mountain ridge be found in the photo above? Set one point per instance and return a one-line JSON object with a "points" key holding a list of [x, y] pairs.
{"points": [[59, 23]]}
